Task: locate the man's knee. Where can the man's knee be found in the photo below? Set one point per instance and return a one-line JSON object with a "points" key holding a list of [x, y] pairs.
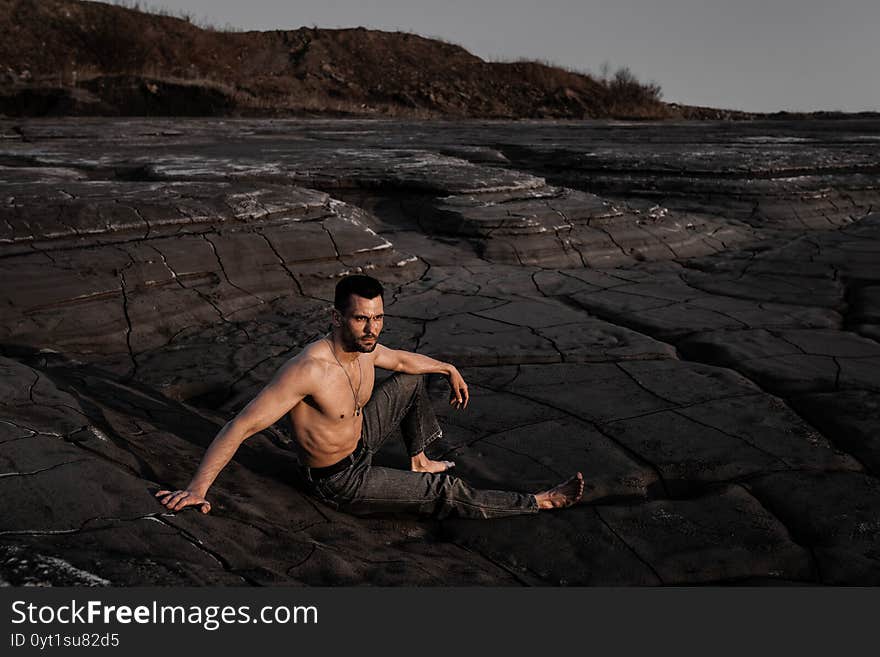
{"points": [[410, 383]]}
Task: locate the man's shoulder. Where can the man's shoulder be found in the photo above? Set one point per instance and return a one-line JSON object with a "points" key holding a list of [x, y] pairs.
{"points": [[308, 365], [379, 352]]}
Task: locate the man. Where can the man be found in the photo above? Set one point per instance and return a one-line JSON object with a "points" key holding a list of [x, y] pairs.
{"points": [[340, 422]]}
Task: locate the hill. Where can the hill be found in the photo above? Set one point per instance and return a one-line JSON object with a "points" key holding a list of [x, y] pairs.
{"points": [[66, 57]]}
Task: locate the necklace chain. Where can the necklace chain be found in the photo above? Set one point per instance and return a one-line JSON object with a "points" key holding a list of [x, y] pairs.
{"points": [[355, 395]]}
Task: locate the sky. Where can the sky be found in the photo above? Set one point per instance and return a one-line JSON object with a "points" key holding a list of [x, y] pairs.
{"points": [[752, 55]]}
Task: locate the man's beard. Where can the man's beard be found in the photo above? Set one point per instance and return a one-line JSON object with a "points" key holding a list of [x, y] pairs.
{"points": [[364, 349], [350, 343]]}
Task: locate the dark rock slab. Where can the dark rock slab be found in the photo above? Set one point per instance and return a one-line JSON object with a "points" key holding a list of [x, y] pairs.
{"points": [[725, 440], [474, 341], [433, 304], [736, 346], [592, 392], [669, 309], [23, 174], [494, 280], [536, 326], [788, 288], [147, 441], [834, 514], [513, 215], [689, 454], [395, 552], [762, 175], [491, 411], [20, 567], [865, 310], [619, 298], [794, 360], [722, 537], [596, 341], [43, 499], [585, 551], [772, 427], [687, 383], [135, 552], [848, 418], [122, 288], [839, 344], [545, 453], [86, 213], [605, 392], [862, 373], [563, 228], [34, 405]]}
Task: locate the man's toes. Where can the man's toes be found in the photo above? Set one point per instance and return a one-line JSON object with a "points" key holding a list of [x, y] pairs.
{"points": [[575, 489]]}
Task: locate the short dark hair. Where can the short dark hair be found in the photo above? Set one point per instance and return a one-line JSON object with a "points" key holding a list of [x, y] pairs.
{"points": [[359, 284]]}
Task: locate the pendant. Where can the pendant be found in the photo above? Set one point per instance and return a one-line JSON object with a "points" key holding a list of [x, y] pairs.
{"points": [[357, 410]]}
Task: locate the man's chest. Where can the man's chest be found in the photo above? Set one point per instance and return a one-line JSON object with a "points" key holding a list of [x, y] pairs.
{"points": [[343, 394]]}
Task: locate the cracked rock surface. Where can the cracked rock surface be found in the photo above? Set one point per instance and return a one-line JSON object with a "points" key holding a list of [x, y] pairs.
{"points": [[687, 313]]}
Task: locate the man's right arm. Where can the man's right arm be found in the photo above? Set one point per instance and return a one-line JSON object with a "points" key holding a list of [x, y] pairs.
{"points": [[286, 390]]}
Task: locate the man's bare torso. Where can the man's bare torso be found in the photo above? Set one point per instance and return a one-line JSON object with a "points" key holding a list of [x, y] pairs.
{"points": [[324, 422]]}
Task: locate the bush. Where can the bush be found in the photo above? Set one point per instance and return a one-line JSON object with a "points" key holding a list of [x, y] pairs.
{"points": [[626, 96], [109, 42]]}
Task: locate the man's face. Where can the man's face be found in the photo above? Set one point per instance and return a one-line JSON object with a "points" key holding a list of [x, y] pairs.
{"points": [[360, 325]]}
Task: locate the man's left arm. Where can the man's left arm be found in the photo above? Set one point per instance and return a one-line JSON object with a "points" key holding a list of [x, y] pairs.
{"points": [[410, 362]]}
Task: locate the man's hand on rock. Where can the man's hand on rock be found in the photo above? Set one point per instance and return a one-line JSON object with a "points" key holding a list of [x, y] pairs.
{"points": [[458, 394], [180, 499]]}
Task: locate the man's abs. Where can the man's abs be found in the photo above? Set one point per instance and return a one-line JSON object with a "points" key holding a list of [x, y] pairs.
{"points": [[323, 441]]}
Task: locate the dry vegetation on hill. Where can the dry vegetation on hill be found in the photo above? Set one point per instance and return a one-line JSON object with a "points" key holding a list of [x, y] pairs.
{"points": [[72, 57]]}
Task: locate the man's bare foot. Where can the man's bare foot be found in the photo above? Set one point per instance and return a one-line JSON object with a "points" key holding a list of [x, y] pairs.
{"points": [[563, 495], [421, 463]]}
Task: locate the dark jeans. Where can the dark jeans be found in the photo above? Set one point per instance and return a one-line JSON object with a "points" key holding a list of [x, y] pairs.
{"points": [[362, 488]]}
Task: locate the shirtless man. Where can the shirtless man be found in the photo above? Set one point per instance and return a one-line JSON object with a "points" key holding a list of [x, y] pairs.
{"points": [[340, 422]]}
